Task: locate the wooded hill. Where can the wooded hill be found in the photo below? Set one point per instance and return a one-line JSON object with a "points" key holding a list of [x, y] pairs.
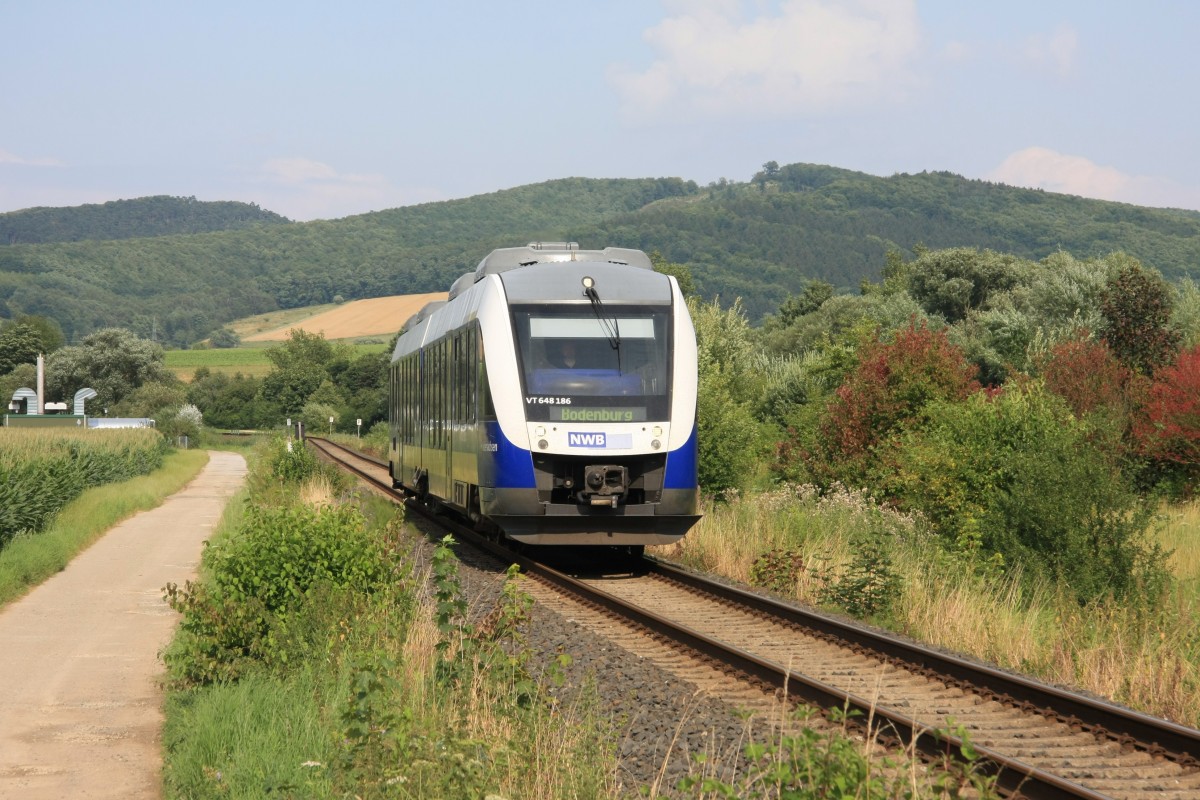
{"points": [[761, 240], [130, 219]]}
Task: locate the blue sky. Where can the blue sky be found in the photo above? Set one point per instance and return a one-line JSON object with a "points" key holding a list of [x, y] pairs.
{"points": [[322, 110]]}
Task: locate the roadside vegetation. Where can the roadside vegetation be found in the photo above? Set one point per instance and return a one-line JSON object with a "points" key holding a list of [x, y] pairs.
{"points": [[43, 469], [321, 655], [30, 556], [994, 455], [333, 662]]}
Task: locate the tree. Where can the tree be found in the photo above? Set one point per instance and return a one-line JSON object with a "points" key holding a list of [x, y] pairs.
{"points": [[1136, 305], [156, 400], [19, 344], [301, 365], [113, 361], [814, 295], [730, 438], [953, 282], [680, 272], [1088, 376], [224, 338], [233, 403], [1170, 428], [22, 339]]}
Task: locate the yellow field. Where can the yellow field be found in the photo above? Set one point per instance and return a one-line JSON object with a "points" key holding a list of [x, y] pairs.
{"points": [[377, 316]]}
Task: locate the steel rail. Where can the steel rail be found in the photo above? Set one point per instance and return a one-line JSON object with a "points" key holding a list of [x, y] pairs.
{"points": [[1157, 736], [1013, 777]]}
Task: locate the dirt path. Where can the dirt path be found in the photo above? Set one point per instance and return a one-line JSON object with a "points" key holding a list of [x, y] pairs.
{"points": [[80, 705]]}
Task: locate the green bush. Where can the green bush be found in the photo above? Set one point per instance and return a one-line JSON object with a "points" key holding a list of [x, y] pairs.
{"points": [[869, 587], [261, 578], [730, 440], [291, 461], [1018, 476]]}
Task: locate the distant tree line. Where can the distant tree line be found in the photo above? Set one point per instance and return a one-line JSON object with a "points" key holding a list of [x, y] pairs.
{"points": [[311, 380], [763, 241], [130, 219]]}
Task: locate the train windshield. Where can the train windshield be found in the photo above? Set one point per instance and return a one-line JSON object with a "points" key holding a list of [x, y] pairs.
{"points": [[576, 366]]}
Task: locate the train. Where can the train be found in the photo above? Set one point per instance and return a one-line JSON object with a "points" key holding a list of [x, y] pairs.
{"points": [[551, 399]]}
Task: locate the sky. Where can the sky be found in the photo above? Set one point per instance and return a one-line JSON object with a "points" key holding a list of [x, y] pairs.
{"points": [[322, 110]]}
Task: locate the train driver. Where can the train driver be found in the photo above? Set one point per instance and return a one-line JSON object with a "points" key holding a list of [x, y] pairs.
{"points": [[566, 356]]}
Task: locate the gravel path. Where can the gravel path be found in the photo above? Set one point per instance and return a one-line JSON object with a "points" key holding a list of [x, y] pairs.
{"points": [[81, 707]]}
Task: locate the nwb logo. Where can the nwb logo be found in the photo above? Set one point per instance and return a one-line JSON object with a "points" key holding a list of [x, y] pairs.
{"points": [[586, 440]]}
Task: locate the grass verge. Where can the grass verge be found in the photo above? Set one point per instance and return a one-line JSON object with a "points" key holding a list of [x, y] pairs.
{"points": [[28, 560], [844, 552], [332, 664], [340, 662]]}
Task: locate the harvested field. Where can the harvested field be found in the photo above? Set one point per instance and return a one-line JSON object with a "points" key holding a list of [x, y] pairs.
{"points": [[377, 316]]}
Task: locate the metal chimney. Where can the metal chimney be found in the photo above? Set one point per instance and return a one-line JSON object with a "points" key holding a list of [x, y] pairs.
{"points": [[41, 384]]}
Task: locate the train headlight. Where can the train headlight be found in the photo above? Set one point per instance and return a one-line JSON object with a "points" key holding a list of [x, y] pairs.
{"points": [[539, 431], [655, 443], [588, 281], [657, 431], [543, 444]]}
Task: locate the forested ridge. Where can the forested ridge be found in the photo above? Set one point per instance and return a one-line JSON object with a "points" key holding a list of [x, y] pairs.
{"points": [[130, 219], [762, 240]]}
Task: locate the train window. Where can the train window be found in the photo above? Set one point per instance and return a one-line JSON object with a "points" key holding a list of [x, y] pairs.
{"points": [[440, 387], [411, 410], [472, 376], [460, 376], [487, 409], [573, 359], [443, 390]]}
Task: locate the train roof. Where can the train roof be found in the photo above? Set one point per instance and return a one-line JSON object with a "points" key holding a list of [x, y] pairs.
{"points": [[551, 271], [506, 258]]}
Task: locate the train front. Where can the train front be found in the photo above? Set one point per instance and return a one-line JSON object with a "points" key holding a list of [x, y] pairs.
{"points": [[601, 430]]}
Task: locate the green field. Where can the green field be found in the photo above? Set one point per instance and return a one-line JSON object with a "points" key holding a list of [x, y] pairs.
{"points": [[248, 360]]}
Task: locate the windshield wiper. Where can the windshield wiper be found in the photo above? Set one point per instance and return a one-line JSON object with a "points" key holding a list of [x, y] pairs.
{"points": [[609, 324]]}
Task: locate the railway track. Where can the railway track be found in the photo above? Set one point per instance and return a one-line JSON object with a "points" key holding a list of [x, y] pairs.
{"points": [[1039, 741]]}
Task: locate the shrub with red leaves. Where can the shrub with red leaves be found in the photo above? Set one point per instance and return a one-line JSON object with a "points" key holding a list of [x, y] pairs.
{"points": [[1169, 428], [1086, 374], [886, 391]]}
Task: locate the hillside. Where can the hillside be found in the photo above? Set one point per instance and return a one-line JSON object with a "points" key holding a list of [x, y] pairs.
{"points": [[760, 240], [130, 219], [178, 289], [377, 316]]}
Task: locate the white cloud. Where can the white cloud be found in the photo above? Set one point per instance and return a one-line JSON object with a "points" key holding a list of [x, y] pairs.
{"points": [[1042, 168], [303, 189], [1056, 50], [811, 56], [11, 158]]}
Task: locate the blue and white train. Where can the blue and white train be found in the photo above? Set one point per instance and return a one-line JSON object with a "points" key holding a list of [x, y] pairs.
{"points": [[552, 399]]}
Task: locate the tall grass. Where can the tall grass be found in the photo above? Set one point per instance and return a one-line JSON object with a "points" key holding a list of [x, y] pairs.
{"points": [[1144, 653], [407, 691], [41, 470], [29, 559], [354, 693]]}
